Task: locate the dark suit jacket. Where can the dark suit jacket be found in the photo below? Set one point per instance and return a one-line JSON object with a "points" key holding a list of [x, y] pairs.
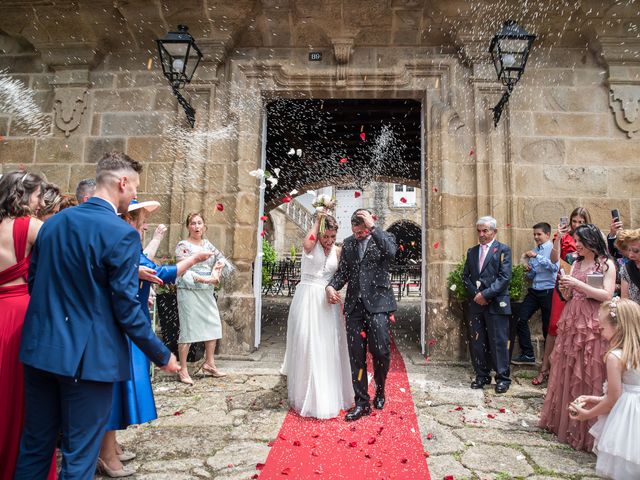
{"points": [[368, 278], [83, 280], [494, 278]]}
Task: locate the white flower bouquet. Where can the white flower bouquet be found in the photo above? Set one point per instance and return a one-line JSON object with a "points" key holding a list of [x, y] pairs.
{"points": [[324, 204]]}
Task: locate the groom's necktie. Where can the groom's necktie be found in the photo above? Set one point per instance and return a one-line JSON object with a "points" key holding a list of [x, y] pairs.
{"points": [[362, 247]]}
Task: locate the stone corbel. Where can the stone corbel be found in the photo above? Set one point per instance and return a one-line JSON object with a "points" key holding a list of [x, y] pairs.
{"points": [[342, 49], [624, 82], [624, 100]]}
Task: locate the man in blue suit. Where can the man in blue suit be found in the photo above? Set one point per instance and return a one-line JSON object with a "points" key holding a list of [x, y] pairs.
{"points": [[83, 281], [487, 273]]}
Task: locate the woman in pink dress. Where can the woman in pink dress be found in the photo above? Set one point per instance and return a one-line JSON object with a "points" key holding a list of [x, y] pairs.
{"points": [[20, 198], [576, 362]]}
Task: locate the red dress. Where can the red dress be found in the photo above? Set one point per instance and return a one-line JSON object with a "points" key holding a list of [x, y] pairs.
{"points": [[14, 300], [567, 246]]}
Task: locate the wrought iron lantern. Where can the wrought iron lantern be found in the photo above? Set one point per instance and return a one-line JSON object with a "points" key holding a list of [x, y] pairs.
{"points": [[509, 51], [179, 57]]}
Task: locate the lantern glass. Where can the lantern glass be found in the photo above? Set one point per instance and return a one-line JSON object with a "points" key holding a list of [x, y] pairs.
{"points": [[509, 51], [179, 56]]}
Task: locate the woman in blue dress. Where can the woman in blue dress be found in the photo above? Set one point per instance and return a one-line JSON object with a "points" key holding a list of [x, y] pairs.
{"points": [[133, 401]]}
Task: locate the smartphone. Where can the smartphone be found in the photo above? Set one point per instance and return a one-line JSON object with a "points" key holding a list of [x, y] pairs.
{"points": [[564, 221], [615, 214], [562, 274]]}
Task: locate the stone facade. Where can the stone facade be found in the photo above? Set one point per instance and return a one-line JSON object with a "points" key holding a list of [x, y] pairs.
{"points": [[568, 138]]}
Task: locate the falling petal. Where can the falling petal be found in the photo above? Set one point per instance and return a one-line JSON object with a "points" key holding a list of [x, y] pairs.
{"points": [[264, 218], [357, 194], [343, 160], [436, 245], [363, 136], [291, 151], [219, 207], [403, 200], [299, 152]]}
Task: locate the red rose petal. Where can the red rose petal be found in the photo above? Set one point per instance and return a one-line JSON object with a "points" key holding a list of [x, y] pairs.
{"points": [[363, 136], [353, 444], [449, 477], [380, 430], [254, 476], [220, 207], [429, 436], [432, 342], [318, 471], [271, 443], [312, 238], [401, 247], [286, 471], [404, 460], [379, 463], [375, 218], [363, 334], [286, 199], [230, 465], [435, 189], [282, 436], [263, 218], [371, 440], [315, 435], [403, 200], [491, 415], [296, 443], [344, 160], [427, 359], [426, 454], [392, 318], [457, 409], [342, 412], [314, 453], [262, 234], [436, 245], [471, 152], [259, 466], [178, 412], [503, 410], [357, 194]]}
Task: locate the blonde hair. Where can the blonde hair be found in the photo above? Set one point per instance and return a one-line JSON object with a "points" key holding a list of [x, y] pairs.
{"points": [[624, 315], [626, 237]]}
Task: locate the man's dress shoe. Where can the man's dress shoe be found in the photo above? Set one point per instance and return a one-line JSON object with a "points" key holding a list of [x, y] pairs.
{"points": [[378, 402], [356, 412], [480, 383], [502, 387]]}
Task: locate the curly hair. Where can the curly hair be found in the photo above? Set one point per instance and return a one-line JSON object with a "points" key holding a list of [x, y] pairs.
{"points": [[591, 237], [626, 237], [194, 214], [51, 198], [16, 189], [68, 201]]}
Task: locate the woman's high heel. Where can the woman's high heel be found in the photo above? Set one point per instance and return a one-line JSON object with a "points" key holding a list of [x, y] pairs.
{"points": [[541, 378], [213, 371], [185, 378], [103, 469]]}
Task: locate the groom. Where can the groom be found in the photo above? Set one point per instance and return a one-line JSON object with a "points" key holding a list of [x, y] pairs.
{"points": [[364, 264]]}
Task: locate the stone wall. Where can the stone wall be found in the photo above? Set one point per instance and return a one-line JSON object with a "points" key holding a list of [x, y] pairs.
{"points": [[568, 137]]}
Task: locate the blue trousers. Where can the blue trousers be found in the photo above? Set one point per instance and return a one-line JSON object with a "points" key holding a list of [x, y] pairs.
{"points": [[54, 403], [488, 344]]}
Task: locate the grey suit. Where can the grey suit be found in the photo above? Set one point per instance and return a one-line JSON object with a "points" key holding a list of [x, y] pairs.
{"points": [[367, 306], [489, 324]]}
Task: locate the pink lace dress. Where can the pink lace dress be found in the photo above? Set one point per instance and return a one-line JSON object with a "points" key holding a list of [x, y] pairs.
{"points": [[577, 367]]}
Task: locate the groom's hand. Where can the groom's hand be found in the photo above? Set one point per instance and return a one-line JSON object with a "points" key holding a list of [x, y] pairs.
{"points": [[366, 216]]}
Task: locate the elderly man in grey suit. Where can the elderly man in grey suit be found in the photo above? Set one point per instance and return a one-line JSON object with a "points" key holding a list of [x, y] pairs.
{"points": [[487, 273], [364, 264]]}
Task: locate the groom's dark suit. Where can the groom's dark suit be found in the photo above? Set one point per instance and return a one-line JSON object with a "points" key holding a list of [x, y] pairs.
{"points": [[489, 324], [367, 306]]}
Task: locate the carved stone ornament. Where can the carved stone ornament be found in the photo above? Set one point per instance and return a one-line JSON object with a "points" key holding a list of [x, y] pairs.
{"points": [[342, 48], [69, 107], [624, 100]]}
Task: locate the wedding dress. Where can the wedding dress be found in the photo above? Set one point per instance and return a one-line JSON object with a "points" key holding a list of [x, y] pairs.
{"points": [[316, 361]]}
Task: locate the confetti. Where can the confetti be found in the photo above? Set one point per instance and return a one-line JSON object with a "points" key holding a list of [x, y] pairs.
{"points": [[353, 444], [292, 151], [448, 477], [432, 341], [458, 408], [299, 152], [286, 199], [318, 471], [402, 389], [360, 375], [314, 453], [363, 136], [150, 63], [471, 152], [491, 416], [363, 334], [296, 443], [426, 454], [404, 460], [178, 412], [371, 440], [286, 471], [264, 218], [401, 247], [282, 436], [436, 245], [355, 194], [219, 207], [259, 466], [378, 463], [259, 173], [435, 189], [344, 160], [293, 192], [503, 410], [429, 436], [403, 200], [392, 318], [229, 465], [262, 234], [312, 238]]}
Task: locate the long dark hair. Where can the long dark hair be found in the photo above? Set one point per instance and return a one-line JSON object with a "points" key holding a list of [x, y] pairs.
{"points": [[591, 238], [15, 190]]}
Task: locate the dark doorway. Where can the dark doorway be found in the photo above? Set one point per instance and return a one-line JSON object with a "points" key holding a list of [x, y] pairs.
{"points": [[409, 239]]}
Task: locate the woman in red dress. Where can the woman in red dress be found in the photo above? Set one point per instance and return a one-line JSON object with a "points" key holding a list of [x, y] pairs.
{"points": [[20, 198], [563, 246]]}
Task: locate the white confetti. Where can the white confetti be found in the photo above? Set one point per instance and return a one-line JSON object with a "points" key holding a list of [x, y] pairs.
{"points": [[291, 152], [402, 390], [453, 287]]}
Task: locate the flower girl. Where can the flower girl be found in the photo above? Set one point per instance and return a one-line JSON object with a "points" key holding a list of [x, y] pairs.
{"points": [[617, 435]]}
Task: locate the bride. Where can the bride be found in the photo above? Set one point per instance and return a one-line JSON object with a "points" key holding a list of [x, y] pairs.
{"points": [[316, 361]]}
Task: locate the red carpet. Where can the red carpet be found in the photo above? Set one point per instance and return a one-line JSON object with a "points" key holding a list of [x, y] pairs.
{"points": [[385, 445]]}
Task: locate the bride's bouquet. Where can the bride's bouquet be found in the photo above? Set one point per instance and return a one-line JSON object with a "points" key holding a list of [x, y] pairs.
{"points": [[324, 204]]}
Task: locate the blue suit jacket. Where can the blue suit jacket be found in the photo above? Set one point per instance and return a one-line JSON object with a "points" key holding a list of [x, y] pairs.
{"points": [[493, 280], [83, 281]]}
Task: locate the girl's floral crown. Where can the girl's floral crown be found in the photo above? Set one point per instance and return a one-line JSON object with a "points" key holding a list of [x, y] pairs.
{"points": [[613, 307]]}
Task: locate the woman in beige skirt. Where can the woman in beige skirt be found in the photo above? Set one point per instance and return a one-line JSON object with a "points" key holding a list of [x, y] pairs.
{"points": [[197, 308]]}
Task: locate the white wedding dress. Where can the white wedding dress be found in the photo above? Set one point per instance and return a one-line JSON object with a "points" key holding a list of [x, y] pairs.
{"points": [[316, 361]]}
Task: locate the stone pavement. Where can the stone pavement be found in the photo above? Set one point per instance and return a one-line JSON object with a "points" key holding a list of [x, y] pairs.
{"points": [[221, 428]]}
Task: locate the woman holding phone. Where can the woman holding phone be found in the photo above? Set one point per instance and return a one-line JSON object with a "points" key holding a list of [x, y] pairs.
{"points": [[576, 362], [564, 248]]}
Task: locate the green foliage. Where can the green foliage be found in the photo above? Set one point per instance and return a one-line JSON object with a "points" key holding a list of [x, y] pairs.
{"points": [[458, 292], [269, 257], [292, 252]]}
